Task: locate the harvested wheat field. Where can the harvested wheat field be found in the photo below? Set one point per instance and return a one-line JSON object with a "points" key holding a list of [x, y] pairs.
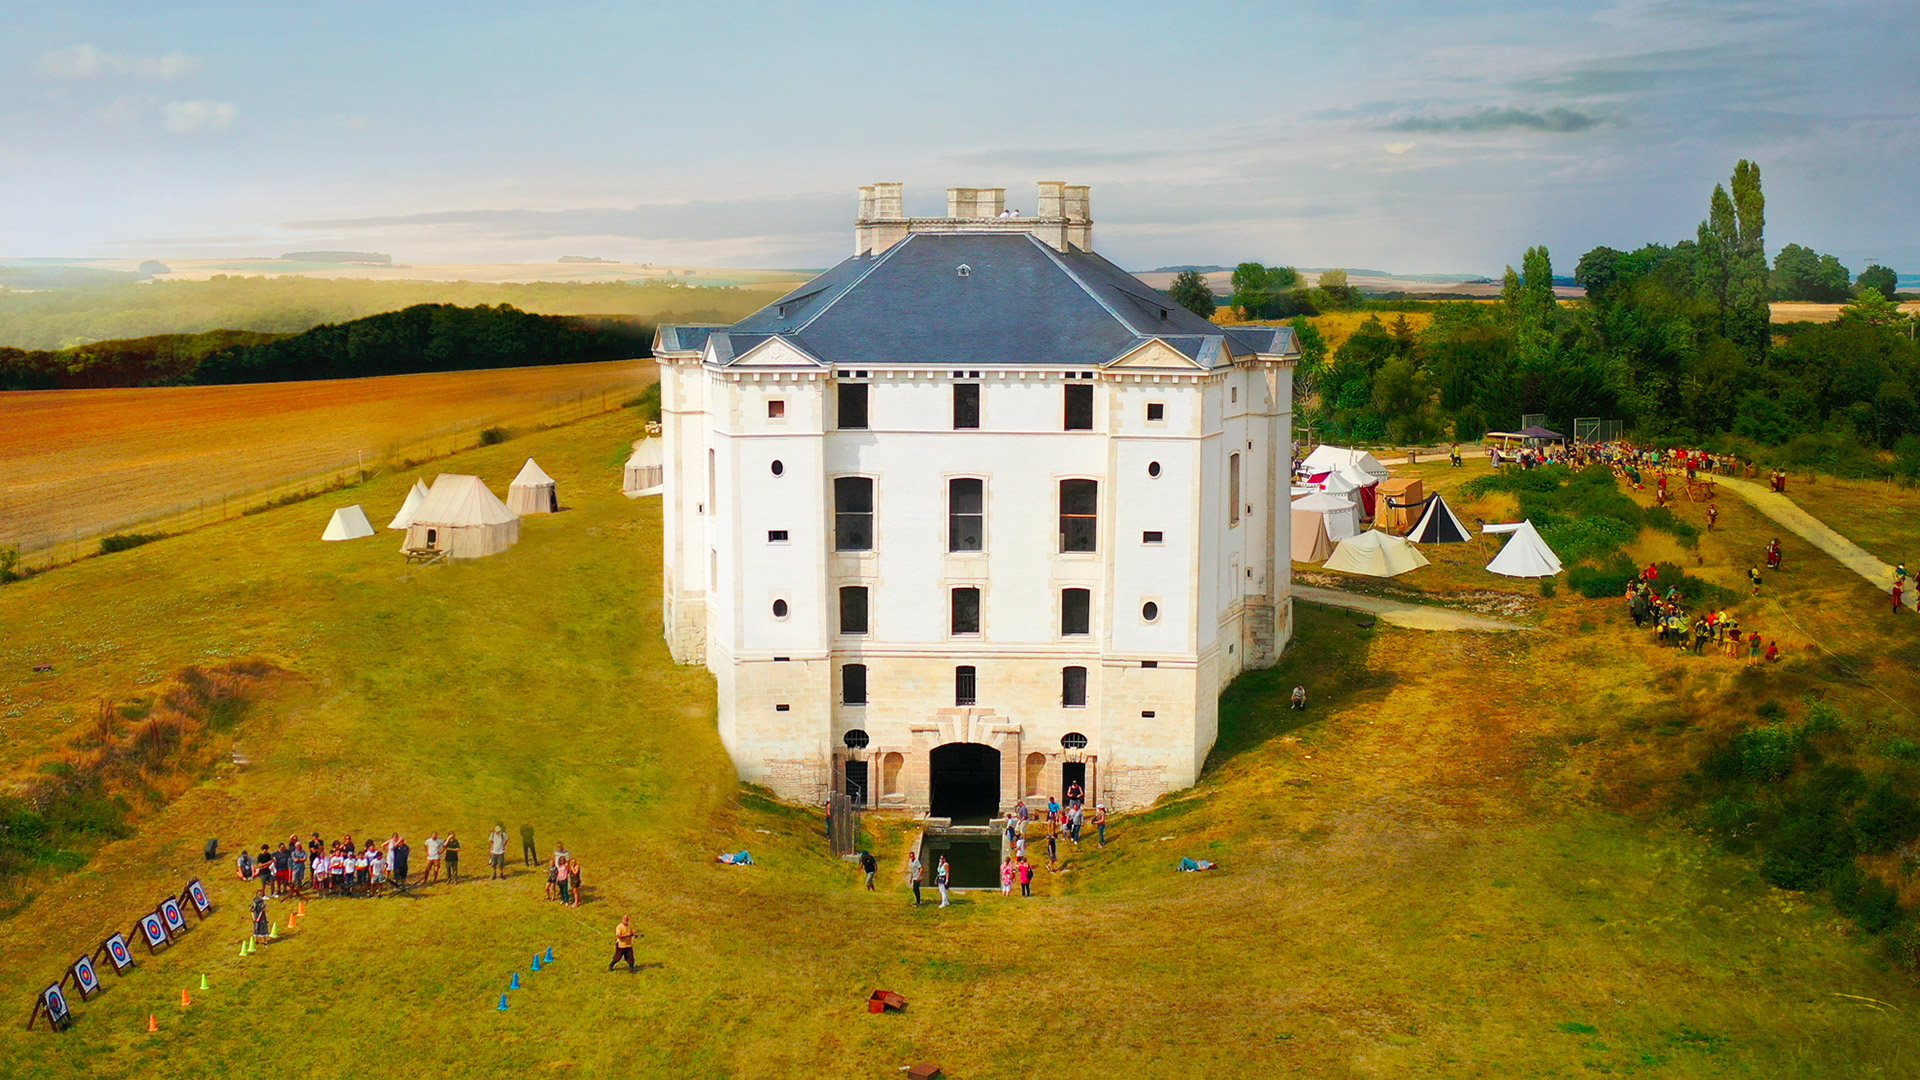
{"points": [[86, 461]]}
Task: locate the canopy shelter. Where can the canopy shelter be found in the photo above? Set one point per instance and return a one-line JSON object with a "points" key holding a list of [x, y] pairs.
{"points": [[463, 519], [533, 492], [416, 495], [1328, 458], [1531, 436], [1376, 554], [1310, 542], [1438, 525], [348, 523], [1526, 555], [1399, 503], [1339, 517], [646, 470]]}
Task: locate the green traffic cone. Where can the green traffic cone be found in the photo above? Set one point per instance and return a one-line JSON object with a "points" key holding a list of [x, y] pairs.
{"points": [[243, 948], [273, 930], [203, 982], [253, 945]]}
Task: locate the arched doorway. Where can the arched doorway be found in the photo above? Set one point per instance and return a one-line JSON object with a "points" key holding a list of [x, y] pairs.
{"points": [[966, 781]]}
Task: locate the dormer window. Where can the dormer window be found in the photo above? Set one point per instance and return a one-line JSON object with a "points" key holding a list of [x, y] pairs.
{"points": [[963, 270]]}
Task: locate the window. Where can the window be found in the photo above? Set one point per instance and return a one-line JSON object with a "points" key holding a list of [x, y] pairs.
{"points": [[779, 609], [1150, 611], [852, 513], [853, 686], [891, 767], [856, 739], [963, 686], [433, 535], [1233, 489], [853, 406], [776, 536], [966, 405], [966, 519], [1079, 408], [1153, 469], [1076, 612], [776, 409], [1156, 410], [712, 482], [1073, 687], [1079, 514], [782, 708], [1146, 714], [853, 609], [1036, 773], [713, 568], [1153, 537], [1149, 663], [778, 467], [966, 610], [1073, 740], [1235, 394]]}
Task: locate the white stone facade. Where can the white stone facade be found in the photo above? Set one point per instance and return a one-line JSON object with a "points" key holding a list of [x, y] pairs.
{"points": [[754, 444]]}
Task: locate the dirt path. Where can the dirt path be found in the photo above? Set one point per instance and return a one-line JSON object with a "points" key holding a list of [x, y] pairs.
{"points": [[1815, 532], [1399, 613]]}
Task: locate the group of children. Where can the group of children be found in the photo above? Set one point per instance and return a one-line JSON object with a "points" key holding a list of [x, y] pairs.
{"points": [[342, 868]]}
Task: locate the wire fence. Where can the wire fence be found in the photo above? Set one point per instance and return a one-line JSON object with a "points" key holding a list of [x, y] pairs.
{"points": [[49, 550]]}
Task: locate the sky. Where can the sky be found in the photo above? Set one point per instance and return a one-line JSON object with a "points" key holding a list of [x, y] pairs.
{"points": [[1417, 137]]}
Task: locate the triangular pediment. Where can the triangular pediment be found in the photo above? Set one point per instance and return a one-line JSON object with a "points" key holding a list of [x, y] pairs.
{"points": [[776, 352], [1156, 355]]}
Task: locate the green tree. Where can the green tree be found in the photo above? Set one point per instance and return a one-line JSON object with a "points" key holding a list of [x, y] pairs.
{"points": [[1334, 292], [1190, 291], [1878, 279], [1313, 358], [1731, 270], [1801, 273], [1252, 293]]}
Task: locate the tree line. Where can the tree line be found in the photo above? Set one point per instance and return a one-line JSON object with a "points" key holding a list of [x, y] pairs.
{"points": [[421, 338]]}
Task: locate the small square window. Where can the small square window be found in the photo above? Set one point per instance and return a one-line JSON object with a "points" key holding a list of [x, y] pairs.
{"points": [[776, 536], [776, 409], [1156, 410], [780, 708], [1146, 714], [1149, 663], [1152, 537]]}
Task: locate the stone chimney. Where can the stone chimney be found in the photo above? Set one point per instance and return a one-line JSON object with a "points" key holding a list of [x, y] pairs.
{"points": [[976, 202], [1052, 192], [1076, 207], [881, 223], [1063, 222]]}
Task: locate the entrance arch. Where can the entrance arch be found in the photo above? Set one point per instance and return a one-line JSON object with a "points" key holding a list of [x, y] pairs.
{"points": [[966, 781]]}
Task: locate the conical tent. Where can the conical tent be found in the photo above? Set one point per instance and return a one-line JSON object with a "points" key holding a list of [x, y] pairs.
{"points": [[533, 492], [462, 518], [1376, 554], [1526, 555], [416, 495], [1328, 458], [348, 523], [1438, 525], [646, 470], [1310, 543], [1341, 517]]}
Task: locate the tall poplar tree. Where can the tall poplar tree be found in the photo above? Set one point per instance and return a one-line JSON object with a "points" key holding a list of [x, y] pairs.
{"points": [[1731, 266]]}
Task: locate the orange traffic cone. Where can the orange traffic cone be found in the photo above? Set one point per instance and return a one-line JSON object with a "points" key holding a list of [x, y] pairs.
{"points": [[293, 921], [152, 1024], [184, 999], [303, 908]]}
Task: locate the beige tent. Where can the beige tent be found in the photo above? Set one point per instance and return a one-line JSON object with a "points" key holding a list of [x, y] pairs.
{"points": [[1376, 554], [1405, 491], [533, 492], [1340, 518], [1310, 543], [646, 470], [1526, 554], [348, 523], [462, 518], [415, 496]]}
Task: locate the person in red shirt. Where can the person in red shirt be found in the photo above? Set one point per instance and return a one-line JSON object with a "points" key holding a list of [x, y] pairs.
{"points": [[1773, 651]]}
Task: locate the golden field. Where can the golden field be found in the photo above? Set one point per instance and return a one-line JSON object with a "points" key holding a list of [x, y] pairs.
{"points": [[79, 462]]}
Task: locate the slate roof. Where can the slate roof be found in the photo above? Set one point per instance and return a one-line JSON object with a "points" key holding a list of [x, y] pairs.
{"points": [[1018, 301]]}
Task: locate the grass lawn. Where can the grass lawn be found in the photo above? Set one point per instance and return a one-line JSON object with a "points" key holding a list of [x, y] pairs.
{"points": [[1460, 862], [1882, 517]]}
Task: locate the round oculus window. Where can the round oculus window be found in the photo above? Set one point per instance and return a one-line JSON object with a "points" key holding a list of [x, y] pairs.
{"points": [[1153, 468], [1073, 740], [779, 609], [778, 467], [855, 739], [1149, 611]]}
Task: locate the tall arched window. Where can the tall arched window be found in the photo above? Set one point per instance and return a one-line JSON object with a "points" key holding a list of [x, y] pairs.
{"points": [[1036, 773]]}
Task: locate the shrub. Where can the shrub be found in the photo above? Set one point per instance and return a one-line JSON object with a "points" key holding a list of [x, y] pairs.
{"points": [[1872, 904], [1547, 588], [1903, 948], [1599, 582], [9, 563], [1822, 718], [1771, 711], [1901, 749], [647, 401], [1734, 819], [1695, 591], [127, 541], [1759, 756], [1578, 539], [493, 436], [1808, 846], [1659, 517], [1886, 818]]}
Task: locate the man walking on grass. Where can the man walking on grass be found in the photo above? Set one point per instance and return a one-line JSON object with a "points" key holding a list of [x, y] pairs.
{"points": [[623, 944], [497, 850], [914, 874], [869, 865]]}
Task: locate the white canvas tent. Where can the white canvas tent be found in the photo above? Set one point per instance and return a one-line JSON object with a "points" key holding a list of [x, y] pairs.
{"points": [[1329, 458], [1439, 525], [533, 492], [415, 496], [1339, 517], [1310, 543], [1376, 554], [1526, 555], [348, 523], [646, 470], [462, 518]]}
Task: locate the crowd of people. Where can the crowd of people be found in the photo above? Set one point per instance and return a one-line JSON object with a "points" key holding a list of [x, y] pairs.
{"points": [[1674, 626], [1059, 821], [314, 866]]}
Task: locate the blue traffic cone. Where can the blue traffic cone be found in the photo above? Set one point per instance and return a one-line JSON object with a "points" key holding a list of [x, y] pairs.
{"points": [[515, 984], [503, 1003], [536, 963], [549, 956]]}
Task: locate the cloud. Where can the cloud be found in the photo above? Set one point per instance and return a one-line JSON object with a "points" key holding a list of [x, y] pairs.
{"points": [[86, 61], [1559, 121], [197, 117], [1398, 147], [687, 221]]}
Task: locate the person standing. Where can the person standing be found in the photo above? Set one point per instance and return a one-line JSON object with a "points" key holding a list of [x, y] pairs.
{"points": [[497, 851], [869, 866], [1053, 845], [942, 875], [260, 927], [1897, 584], [623, 944], [399, 860], [1006, 876], [527, 851], [1713, 515], [1025, 872], [914, 873], [300, 859], [573, 878], [1100, 823], [433, 860], [450, 851]]}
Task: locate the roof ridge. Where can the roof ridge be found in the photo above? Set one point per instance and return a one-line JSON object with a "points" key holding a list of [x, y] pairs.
{"points": [[1084, 287], [851, 285]]}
